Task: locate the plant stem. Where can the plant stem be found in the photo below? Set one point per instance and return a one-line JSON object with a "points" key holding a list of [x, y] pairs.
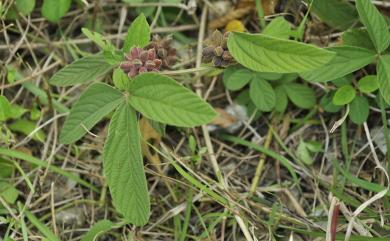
{"points": [[260, 13], [260, 165], [385, 132]]}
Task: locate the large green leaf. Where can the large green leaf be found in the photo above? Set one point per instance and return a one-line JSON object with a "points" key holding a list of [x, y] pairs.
{"points": [[301, 95], [347, 60], [54, 10], [383, 72], [268, 54], [95, 103], [375, 23], [123, 166], [339, 14], [138, 33], [262, 94], [162, 99], [80, 71]]}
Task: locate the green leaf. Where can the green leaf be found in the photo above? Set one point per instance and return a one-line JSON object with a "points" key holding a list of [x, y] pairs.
{"points": [[98, 39], [359, 110], [304, 154], [27, 127], [138, 33], [357, 37], [97, 229], [327, 104], [120, 79], [95, 103], [375, 23], [123, 166], [281, 99], [162, 99], [347, 60], [238, 79], [278, 28], [383, 72], [368, 84], [344, 95], [41, 226], [25, 7], [81, 71], [339, 14], [42, 96], [262, 94], [9, 111], [111, 55], [8, 192], [54, 10], [301, 95], [263, 53]]}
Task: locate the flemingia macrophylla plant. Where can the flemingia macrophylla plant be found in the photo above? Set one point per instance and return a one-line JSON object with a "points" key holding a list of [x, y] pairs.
{"points": [[138, 87]]}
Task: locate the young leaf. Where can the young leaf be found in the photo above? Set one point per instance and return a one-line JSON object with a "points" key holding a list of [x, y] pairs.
{"points": [[263, 53], [347, 60], [54, 10], [9, 111], [162, 99], [262, 94], [138, 33], [359, 110], [238, 79], [368, 84], [97, 229], [301, 95], [25, 7], [278, 28], [27, 127], [120, 79], [383, 71], [80, 71], [375, 23], [344, 95], [98, 39], [304, 154], [95, 103], [123, 166]]}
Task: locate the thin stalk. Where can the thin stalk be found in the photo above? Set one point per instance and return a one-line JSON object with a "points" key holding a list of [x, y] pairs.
{"points": [[260, 165], [260, 13]]}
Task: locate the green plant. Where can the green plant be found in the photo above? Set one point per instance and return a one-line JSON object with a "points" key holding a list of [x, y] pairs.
{"points": [[273, 53], [157, 97]]}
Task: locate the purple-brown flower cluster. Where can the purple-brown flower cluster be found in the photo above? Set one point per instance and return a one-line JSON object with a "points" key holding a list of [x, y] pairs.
{"points": [[216, 50], [140, 61], [156, 55]]}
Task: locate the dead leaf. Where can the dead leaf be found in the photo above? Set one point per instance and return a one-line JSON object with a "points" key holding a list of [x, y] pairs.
{"points": [[151, 136], [231, 15], [224, 119], [268, 5]]}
